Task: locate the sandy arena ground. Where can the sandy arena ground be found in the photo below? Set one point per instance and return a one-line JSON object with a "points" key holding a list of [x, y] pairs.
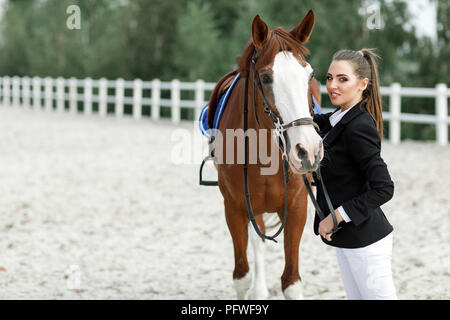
{"points": [[95, 208]]}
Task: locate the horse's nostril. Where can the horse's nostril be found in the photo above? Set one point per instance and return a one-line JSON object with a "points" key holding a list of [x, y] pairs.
{"points": [[302, 153]]}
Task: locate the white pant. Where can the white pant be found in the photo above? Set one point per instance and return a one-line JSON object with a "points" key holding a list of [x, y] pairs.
{"points": [[366, 272]]}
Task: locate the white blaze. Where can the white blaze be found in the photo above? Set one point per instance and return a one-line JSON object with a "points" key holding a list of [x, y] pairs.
{"points": [[290, 89], [290, 86]]}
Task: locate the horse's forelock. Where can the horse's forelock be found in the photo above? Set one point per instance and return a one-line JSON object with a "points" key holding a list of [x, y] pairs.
{"points": [[278, 40]]}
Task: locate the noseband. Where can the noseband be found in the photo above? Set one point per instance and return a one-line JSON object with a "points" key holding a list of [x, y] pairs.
{"points": [[280, 128]]}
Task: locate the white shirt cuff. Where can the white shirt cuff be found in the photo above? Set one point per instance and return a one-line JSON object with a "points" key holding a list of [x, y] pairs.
{"points": [[344, 214]]}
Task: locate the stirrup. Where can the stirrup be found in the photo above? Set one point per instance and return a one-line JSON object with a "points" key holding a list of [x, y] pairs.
{"points": [[206, 182]]}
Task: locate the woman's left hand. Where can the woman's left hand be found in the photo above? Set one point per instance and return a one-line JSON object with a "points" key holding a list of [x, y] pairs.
{"points": [[326, 225]]}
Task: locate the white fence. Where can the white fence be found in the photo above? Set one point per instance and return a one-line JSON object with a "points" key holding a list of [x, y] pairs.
{"points": [[52, 94]]}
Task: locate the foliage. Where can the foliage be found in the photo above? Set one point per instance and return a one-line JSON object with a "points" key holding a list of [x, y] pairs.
{"points": [[192, 39], [197, 52]]}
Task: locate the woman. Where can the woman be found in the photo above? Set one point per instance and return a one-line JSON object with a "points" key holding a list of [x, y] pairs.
{"points": [[356, 177]]}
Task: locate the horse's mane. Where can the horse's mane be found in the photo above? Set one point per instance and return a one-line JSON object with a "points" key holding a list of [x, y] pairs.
{"points": [[278, 40]]}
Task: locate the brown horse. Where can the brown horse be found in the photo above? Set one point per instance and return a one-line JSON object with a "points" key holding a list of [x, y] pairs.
{"points": [[287, 85]]}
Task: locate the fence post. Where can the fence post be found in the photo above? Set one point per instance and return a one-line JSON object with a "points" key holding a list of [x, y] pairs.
{"points": [[175, 100], [442, 114], [199, 97], [102, 92], [6, 91], [73, 105], [26, 92], [37, 93], [120, 87], [87, 96], [156, 98], [16, 91], [137, 99], [395, 109], [48, 83], [60, 94]]}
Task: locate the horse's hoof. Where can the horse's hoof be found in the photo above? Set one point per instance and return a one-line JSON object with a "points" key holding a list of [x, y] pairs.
{"points": [[259, 296], [259, 293], [242, 286], [294, 291]]}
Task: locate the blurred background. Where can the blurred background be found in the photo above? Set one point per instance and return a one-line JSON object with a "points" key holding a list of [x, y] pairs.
{"points": [[201, 39]]}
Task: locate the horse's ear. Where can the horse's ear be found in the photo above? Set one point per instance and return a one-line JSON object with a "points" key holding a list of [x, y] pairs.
{"points": [[304, 28], [260, 32]]}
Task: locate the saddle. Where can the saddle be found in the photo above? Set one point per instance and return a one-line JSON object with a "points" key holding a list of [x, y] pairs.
{"points": [[212, 112], [210, 117]]}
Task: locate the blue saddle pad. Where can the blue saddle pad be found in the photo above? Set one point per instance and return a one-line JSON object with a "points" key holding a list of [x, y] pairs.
{"points": [[203, 119], [316, 106]]}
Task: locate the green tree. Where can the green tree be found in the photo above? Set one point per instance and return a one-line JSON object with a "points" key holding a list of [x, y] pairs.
{"points": [[16, 28], [37, 42], [427, 65], [433, 57], [197, 49], [150, 29], [101, 43]]}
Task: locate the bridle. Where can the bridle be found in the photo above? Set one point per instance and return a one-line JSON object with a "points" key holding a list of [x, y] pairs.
{"points": [[280, 128]]}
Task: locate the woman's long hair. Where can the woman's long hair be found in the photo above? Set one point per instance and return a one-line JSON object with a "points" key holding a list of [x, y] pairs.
{"points": [[364, 62]]}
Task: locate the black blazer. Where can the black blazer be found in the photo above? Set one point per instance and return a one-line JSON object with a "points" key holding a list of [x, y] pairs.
{"points": [[356, 177]]}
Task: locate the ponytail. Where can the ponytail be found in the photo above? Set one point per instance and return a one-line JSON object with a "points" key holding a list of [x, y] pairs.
{"points": [[372, 95]]}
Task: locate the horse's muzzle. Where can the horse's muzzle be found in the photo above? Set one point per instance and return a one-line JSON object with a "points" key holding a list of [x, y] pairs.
{"points": [[307, 165], [303, 162]]}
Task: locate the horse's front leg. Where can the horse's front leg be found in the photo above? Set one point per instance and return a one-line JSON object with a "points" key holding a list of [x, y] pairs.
{"points": [[237, 223], [259, 290], [290, 280]]}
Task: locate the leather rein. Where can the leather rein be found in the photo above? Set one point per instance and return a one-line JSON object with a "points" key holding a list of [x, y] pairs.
{"points": [[280, 128]]}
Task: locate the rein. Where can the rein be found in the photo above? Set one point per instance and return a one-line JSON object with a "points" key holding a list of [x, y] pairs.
{"points": [[327, 198], [247, 193], [279, 132]]}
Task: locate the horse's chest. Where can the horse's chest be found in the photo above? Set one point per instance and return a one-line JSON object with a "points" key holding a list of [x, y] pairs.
{"points": [[269, 197], [266, 192]]}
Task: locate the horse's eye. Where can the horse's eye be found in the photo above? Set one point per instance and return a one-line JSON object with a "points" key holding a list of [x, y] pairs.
{"points": [[266, 79]]}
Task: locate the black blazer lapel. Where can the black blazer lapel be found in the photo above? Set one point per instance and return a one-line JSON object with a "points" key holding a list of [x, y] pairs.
{"points": [[333, 134], [335, 131], [323, 121], [356, 111]]}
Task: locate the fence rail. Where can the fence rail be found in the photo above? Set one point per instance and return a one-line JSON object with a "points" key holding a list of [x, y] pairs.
{"points": [[49, 94]]}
